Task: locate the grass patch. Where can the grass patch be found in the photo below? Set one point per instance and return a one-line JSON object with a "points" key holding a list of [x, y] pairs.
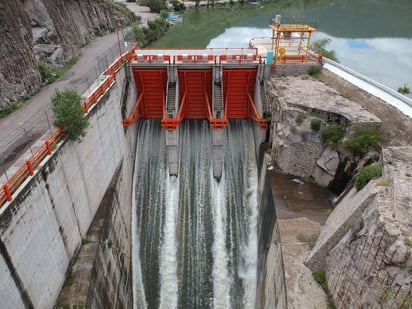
{"points": [[308, 239], [293, 129], [320, 278], [8, 109]]}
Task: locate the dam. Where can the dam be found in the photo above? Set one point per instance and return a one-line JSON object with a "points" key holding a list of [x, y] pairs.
{"points": [[203, 231], [192, 127]]}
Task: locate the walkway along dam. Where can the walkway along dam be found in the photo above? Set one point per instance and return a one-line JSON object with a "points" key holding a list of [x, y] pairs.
{"points": [[164, 203]]}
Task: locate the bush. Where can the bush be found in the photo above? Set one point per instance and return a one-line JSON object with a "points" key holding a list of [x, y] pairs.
{"points": [[178, 6], [299, 119], [315, 71], [364, 139], [404, 89], [366, 174], [164, 14], [332, 135], [49, 73], [315, 124], [69, 113]]}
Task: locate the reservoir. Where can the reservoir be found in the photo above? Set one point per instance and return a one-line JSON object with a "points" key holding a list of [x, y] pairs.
{"points": [[371, 37]]}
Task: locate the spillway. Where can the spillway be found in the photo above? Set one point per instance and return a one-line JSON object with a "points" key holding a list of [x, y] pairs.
{"points": [[195, 239]]}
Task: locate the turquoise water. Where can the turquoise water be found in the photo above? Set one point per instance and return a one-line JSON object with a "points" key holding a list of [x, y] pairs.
{"points": [[372, 37]]}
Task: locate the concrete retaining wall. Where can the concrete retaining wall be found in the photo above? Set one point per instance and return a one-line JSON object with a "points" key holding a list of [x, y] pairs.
{"points": [[41, 230], [271, 279]]}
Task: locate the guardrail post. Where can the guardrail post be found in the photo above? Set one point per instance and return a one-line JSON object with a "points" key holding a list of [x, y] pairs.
{"points": [[7, 191], [49, 150], [86, 109], [30, 167]]}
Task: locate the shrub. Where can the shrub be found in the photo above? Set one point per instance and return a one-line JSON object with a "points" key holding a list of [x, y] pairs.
{"points": [[404, 89], [299, 119], [315, 71], [315, 124], [178, 6], [366, 174], [49, 73], [364, 139], [293, 129], [164, 14], [332, 135], [69, 113]]}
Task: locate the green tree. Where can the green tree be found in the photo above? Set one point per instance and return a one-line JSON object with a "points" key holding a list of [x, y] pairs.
{"points": [[155, 5], [319, 46], [67, 106]]}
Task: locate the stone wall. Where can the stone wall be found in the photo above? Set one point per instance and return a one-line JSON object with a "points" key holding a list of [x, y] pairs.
{"points": [[41, 230], [365, 247]]}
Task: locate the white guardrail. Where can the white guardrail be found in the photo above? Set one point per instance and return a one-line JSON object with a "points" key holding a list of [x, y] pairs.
{"points": [[390, 96]]}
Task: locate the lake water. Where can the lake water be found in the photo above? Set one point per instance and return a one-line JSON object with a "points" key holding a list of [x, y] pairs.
{"points": [[372, 37]]}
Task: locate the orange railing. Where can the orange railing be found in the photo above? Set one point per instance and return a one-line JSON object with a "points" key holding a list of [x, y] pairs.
{"points": [[215, 123], [133, 116], [173, 123], [46, 149], [263, 123]]}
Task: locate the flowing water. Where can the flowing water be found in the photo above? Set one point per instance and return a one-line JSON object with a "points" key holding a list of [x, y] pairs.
{"points": [[196, 238]]}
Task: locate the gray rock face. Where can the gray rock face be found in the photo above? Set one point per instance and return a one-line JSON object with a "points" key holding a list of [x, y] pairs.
{"points": [[297, 148], [329, 161], [19, 75], [45, 30], [365, 247]]}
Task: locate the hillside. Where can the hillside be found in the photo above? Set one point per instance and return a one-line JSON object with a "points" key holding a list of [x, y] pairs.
{"points": [[50, 31]]}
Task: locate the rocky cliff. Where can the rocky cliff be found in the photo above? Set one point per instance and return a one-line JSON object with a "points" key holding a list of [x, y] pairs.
{"points": [[365, 247], [50, 31], [296, 102]]}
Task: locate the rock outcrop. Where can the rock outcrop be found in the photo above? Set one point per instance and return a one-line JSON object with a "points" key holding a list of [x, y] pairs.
{"points": [[19, 75], [297, 148], [365, 247], [50, 31]]}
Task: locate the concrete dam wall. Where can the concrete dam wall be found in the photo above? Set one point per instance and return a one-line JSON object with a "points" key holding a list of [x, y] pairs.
{"points": [[43, 227], [66, 237]]}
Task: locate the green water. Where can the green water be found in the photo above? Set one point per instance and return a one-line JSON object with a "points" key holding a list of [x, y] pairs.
{"points": [[373, 37]]}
